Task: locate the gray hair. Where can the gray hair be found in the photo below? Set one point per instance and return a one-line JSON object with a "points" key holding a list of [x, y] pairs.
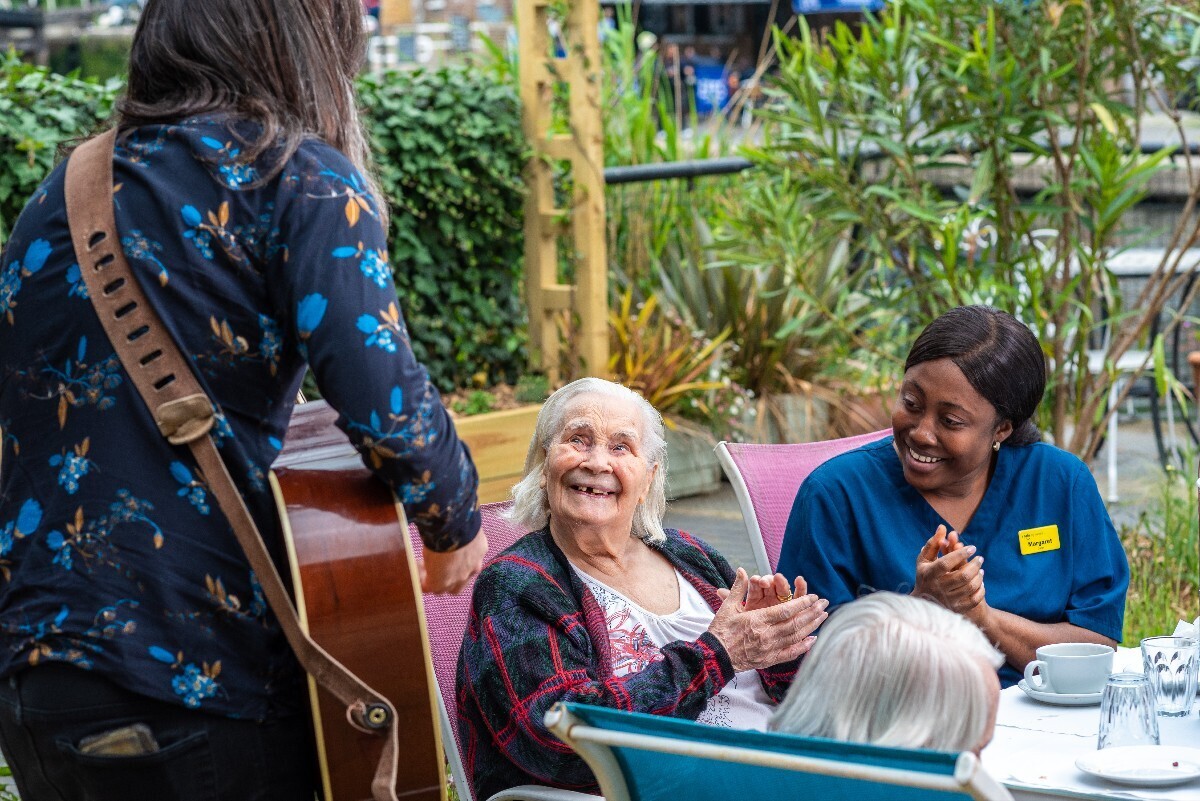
{"points": [[531, 510], [893, 670]]}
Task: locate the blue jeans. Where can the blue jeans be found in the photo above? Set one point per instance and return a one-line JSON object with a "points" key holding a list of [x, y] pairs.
{"points": [[47, 710]]}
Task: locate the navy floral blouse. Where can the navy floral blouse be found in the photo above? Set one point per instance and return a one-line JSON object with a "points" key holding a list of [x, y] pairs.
{"points": [[113, 555]]}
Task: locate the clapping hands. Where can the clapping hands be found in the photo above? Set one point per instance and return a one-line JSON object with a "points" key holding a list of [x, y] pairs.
{"points": [[950, 574], [776, 629], [764, 591]]}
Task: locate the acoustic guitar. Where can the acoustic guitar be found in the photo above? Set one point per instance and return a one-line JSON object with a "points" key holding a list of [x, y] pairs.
{"points": [[358, 595]]}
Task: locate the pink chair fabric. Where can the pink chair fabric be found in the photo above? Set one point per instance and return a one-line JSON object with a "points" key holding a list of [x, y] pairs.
{"points": [[766, 479], [446, 621]]}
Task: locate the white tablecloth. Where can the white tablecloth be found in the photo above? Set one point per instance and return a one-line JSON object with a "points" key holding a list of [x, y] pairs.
{"points": [[1035, 747]]}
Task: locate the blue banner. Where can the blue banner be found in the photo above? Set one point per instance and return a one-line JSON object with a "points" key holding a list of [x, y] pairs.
{"points": [[835, 6]]}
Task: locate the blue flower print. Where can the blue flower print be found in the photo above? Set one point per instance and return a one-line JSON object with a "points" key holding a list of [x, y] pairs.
{"points": [[32, 637], [230, 348], [463, 495], [62, 547], [80, 384], [36, 255], [221, 430], [197, 231], [416, 491], [138, 246], [87, 541], [193, 489], [405, 432], [309, 313], [385, 331], [75, 279], [137, 149], [72, 466], [248, 246], [194, 684], [204, 230], [230, 604], [373, 263], [29, 517], [329, 185], [271, 345], [108, 623], [256, 477], [232, 174], [10, 280], [258, 601]]}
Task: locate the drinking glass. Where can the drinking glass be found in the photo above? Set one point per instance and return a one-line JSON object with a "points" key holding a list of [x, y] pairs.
{"points": [[1127, 712], [1170, 664]]}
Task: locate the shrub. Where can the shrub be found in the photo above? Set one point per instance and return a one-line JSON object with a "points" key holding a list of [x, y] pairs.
{"points": [[40, 110], [1164, 582], [870, 123]]}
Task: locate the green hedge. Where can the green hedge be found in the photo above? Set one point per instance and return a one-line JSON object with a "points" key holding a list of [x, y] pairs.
{"points": [[449, 152], [38, 111]]}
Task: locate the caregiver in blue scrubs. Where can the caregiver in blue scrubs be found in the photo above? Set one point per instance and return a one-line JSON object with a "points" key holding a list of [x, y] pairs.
{"points": [[964, 504]]}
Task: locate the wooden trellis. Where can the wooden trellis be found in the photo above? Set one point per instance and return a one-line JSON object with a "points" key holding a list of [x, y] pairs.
{"points": [[578, 230]]}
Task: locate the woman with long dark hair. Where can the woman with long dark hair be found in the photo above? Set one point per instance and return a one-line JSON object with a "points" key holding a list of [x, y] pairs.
{"points": [[139, 658], [966, 477]]}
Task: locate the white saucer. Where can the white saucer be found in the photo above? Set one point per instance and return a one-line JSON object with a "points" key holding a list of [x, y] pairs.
{"points": [[1060, 699], [1143, 765]]}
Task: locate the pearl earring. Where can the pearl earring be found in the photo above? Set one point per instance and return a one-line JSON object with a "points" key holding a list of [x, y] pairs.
{"points": [[996, 446]]}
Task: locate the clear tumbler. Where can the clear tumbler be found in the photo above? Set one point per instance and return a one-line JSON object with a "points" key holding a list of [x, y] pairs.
{"points": [[1170, 664], [1128, 712]]}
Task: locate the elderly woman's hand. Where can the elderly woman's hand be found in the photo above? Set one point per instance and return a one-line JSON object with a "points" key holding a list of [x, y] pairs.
{"points": [[760, 638], [764, 591], [948, 575]]}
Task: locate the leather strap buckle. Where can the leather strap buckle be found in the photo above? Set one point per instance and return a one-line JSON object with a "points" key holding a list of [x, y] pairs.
{"points": [[186, 419]]}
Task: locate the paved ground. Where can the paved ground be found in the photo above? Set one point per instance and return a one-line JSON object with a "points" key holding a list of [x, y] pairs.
{"points": [[717, 519]]}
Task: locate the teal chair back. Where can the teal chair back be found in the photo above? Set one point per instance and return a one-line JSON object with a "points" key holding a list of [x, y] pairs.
{"points": [[640, 757]]}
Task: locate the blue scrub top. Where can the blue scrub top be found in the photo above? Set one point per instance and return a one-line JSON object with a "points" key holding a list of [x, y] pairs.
{"points": [[857, 526]]}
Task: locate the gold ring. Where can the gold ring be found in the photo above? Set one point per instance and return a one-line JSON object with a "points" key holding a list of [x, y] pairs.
{"points": [[783, 599]]}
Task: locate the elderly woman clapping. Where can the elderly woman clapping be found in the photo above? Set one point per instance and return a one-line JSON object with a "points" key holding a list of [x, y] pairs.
{"points": [[603, 606]]}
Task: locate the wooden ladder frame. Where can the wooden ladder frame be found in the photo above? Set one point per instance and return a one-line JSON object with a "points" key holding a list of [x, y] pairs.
{"points": [[580, 227]]}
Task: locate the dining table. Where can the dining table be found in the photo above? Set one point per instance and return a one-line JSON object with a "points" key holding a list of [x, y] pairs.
{"points": [[1036, 744]]}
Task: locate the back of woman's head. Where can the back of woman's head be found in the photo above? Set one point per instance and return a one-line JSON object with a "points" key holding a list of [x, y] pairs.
{"points": [[288, 65], [1000, 357], [894, 670]]}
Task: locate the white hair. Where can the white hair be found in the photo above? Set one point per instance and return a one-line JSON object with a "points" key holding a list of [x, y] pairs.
{"points": [[530, 507], [894, 670]]}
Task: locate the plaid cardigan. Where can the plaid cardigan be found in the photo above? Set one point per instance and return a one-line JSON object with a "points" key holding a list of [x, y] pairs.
{"points": [[537, 635]]}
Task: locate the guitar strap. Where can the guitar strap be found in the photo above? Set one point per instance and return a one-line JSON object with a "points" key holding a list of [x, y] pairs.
{"points": [[185, 416]]}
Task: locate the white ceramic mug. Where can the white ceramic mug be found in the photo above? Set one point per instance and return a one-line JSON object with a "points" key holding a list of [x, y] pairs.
{"points": [[1070, 668]]}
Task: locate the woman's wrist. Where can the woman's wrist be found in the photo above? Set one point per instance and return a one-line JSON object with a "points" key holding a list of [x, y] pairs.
{"points": [[981, 616]]}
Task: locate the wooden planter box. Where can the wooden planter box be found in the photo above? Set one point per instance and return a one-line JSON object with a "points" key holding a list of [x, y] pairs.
{"points": [[498, 443], [692, 467]]}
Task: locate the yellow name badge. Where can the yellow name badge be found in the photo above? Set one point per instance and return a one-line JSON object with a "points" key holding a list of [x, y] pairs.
{"points": [[1037, 540]]}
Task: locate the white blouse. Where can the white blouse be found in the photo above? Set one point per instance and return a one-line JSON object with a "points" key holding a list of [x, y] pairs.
{"points": [[635, 636]]}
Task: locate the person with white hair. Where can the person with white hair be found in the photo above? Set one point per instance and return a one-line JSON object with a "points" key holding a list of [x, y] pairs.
{"points": [[602, 605], [896, 670]]}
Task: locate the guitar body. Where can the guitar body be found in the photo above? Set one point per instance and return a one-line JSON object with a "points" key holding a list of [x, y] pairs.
{"points": [[358, 595]]}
